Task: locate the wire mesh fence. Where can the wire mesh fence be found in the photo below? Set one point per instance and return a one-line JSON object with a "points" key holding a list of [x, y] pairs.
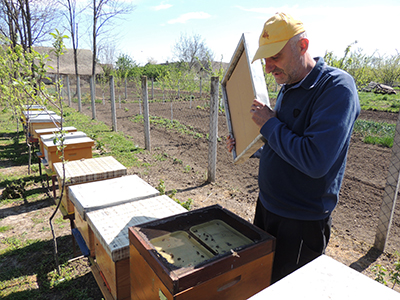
{"points": [[187, 111]]}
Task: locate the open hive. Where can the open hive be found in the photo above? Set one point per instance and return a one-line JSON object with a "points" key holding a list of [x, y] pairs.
{"points": [[208, 253]]}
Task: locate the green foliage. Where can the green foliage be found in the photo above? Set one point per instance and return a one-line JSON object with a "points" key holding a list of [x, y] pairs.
{"points": [[116, 144], [377, 133], [388, 275], [168, 124], [372, 101], [162, 189]]}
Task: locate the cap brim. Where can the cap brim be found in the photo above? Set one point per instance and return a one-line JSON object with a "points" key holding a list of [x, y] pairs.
{"points": [[269, 50]]}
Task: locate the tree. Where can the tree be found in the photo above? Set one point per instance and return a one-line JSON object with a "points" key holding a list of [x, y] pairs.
{"points": [[71, 14], [189, 49], [28, 22], [104, 13]]}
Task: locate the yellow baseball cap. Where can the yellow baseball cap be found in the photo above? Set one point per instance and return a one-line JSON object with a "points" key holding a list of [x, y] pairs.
{"points": [[276, 32]]}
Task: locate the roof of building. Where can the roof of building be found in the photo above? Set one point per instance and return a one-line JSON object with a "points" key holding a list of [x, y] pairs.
{"points": [[67, 66]]}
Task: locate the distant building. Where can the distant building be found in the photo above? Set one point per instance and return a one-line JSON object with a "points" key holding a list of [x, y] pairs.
{"points": [[67, 66]]}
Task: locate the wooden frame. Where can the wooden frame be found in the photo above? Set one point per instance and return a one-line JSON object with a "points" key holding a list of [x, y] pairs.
{"points": [[242, 83], [237, 274]]}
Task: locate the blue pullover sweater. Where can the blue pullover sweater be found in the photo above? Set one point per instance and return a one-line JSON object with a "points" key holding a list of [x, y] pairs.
{"points": [[303, 161]]}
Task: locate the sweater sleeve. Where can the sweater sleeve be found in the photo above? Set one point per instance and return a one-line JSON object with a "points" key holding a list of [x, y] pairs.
{"points": [[317, 148]]}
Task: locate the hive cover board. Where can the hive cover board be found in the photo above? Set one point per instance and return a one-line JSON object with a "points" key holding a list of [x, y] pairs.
{"points": [[242, 83]]}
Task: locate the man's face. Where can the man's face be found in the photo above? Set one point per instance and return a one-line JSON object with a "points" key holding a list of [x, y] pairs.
{"points": [[284, 66]]}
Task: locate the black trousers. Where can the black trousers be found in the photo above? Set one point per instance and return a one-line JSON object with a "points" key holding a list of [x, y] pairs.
{"points": [[297, 242]]}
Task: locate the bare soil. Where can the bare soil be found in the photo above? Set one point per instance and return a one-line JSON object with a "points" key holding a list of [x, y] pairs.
{"points": [[354, 220], [184, 170]]}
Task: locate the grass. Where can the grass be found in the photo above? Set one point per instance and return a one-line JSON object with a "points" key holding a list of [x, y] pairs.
{"points": [[170, 125], [371, 101], [108, 142], [377, 133]]}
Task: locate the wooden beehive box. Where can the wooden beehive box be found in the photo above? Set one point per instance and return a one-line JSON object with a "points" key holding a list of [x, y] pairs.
{"points": [[83, 171], [242, 83], [110, 234], [77, 146], [233, 265], [33, 107], [42, 121], [50, 133], [32, 114], [91, 196]]}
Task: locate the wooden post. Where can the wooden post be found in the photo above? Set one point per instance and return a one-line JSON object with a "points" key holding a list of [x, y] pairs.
{"points": [[212, 139], [126, 89], [78, 91], [68, 91], [113, 110], [152, 88], [146, 115], [390, 193], [93, 97], [200, 87]]}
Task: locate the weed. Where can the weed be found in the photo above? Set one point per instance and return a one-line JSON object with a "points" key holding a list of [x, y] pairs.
{"points": [[37, 220], [161, 187], [5, 228], [177, 161], [391, 274], [187, 169]]}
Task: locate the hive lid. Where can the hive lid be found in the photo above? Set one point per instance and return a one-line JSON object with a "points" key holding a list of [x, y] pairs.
{"points": [[90, 169], [43, 131], [110, 225], [101, 194]]}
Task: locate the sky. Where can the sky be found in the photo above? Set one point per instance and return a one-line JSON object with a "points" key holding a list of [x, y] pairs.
{"points": [[155, 26]]}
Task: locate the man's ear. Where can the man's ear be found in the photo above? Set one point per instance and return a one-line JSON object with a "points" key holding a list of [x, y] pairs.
{"points": [[303, 44]]}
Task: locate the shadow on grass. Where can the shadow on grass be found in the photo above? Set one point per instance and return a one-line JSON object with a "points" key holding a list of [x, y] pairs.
{"points": [[16, 153], [26, 207], [37, 260]]}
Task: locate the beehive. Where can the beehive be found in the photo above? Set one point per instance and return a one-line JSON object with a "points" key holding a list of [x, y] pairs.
{"points": [[240, 264], [77, 146], [110, 229], [42, 121], [83, 171], [50, 131]]}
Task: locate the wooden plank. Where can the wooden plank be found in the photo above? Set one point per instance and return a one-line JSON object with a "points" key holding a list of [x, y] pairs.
{"points": [[242, 83], [94, 267], [115, 274]]}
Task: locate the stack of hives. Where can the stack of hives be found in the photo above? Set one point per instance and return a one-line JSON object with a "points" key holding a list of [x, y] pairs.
{"points": [[105, 205]]}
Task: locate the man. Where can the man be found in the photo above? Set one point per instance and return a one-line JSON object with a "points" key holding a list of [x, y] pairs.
{"points": [[308, 134]]}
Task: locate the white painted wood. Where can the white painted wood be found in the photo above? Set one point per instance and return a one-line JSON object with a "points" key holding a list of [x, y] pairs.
{"points": [[91, 196], [325, 278], [110, 225]]}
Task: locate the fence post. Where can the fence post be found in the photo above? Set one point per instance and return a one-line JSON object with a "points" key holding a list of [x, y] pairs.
{"points": [[126, 89], [390, 193], [78, 91], [152, 88], [113, 110], [146, 116], [212, 139], [200, 87], [93, 97], [68, 91]]}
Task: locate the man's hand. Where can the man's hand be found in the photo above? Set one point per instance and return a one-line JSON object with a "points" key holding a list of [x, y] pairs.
{"points": [[261, 113], [230, 143]]}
